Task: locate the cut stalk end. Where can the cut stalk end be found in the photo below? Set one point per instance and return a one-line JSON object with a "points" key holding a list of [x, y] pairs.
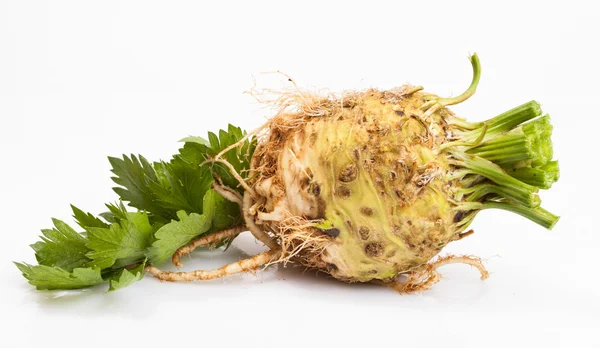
{"points": [[510, 163]]}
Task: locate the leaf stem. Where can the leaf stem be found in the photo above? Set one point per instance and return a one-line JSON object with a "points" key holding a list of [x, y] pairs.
{"points": [[513, 188], [538, 215], [542, 177], [507, 120], [471, 90]]}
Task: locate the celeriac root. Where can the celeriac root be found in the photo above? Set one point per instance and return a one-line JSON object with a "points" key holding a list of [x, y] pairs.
{"points": [[257, 232], [425, 276], [245, 265], [207, 241]]}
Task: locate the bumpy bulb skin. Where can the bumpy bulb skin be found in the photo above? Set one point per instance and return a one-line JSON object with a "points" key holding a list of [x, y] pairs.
{"points": [[369, 170]]}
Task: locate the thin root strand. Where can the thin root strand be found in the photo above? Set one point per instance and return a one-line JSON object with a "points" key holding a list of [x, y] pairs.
{"points": [[245, 265], [469, 260], [207, 241], [257, 232], [228, 193], [425, 276]]}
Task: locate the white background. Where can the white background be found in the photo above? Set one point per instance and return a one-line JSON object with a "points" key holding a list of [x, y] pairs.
{"points": [[82, 80]]}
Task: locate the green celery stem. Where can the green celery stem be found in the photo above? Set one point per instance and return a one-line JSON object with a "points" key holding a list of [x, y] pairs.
{"points": [[538, 215]]}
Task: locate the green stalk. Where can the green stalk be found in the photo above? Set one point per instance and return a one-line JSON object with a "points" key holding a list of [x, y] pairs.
{"points": [[507, 121], [531, 141], [478, 192], [512, 149], [514, 117], [541, 142], [472, 88], [513, 189], [538, 215], [472, 180], [434, 100], [467, 220], [542, 177], [461, 123]]}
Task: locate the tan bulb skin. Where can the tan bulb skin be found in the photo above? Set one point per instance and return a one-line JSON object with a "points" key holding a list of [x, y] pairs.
{"points": [[367, 173]]}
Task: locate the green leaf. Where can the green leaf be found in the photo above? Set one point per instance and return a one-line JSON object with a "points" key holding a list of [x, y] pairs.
{"points": [[122, 243], [176, 203], [126, 277], [238, 157], [192, 139], [221, 212], [52, 278], [164, 188], [135, 176], [184, 185], [175, 234], [86, 220], [161, 188], [115, 213], [61, 247]]}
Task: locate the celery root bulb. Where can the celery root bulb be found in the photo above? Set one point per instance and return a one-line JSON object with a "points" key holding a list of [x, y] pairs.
{"points": [[371, 171], [374, 184], [366, 186]]}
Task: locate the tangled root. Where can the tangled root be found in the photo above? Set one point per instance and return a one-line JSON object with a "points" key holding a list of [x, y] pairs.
{"points": [[298, 236], [425, 276], [207, 241], [246, 265], [257, 232]]}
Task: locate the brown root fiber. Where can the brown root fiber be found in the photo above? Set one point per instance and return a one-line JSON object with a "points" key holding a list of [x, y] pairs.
{"points": [[246, 265], [425, 276], [206, 241], [299, 237]]}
